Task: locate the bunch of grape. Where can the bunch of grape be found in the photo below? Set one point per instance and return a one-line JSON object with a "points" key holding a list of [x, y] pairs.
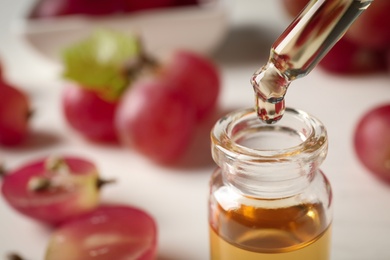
{"points": [[63, 192], [118, 94], [365, 48], [152, 107]]}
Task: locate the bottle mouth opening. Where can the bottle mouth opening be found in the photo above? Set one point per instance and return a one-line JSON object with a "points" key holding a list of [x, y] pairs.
{"points": [[243, 135]]}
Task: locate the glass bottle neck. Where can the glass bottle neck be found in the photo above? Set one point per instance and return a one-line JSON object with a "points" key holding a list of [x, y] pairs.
{"points": [[269, 161]]}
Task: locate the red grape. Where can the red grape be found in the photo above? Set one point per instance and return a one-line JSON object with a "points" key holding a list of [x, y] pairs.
{"points": [[372, 28], [294, 7], [388, 60], [156, 120], [54, 8], [95, 7], [89, 114], [197, 78], [185, 2], [52, 190], [136, 5], [109, 232], [14, 115], [372, 139], [347, 57]]}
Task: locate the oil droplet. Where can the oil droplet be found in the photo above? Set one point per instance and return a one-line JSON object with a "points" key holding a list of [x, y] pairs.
{"points": [[270, 87]]}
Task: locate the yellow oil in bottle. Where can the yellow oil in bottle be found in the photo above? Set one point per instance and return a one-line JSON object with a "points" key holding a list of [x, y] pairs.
{"points": [[292, 233]]}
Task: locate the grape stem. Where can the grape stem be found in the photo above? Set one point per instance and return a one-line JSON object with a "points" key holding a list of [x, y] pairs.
{"points": [[140, 64], [101, 182], [2, 171], [30, 114]]}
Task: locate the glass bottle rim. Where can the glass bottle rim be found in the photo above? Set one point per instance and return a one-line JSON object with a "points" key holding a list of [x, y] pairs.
{"points": [[228, 131]]}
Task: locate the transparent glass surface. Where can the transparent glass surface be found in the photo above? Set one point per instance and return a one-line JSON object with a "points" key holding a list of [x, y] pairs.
{"points": [[299, 49]]}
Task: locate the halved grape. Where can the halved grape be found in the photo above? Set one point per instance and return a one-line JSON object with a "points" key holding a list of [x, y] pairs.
{"points": [[156, 120], [372, 139], [109, 232], [53, 189]]}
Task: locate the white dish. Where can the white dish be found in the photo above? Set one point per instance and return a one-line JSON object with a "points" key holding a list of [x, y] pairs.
{"points": [[196, 28]]}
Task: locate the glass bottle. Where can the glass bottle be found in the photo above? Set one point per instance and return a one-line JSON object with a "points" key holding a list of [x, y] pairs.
{"points": [[268, 198]]}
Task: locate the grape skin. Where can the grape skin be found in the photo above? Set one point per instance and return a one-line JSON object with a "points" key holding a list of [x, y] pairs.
{"points": [[197, 78], [14, 115], [156, 120], [89, 114], [372, 139]]}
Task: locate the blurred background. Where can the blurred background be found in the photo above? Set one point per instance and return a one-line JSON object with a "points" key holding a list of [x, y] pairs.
{"points": [[236, 36]]}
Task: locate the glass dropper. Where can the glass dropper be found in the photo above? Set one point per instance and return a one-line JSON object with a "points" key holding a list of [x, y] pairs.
{"points": [[299, 49]]}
